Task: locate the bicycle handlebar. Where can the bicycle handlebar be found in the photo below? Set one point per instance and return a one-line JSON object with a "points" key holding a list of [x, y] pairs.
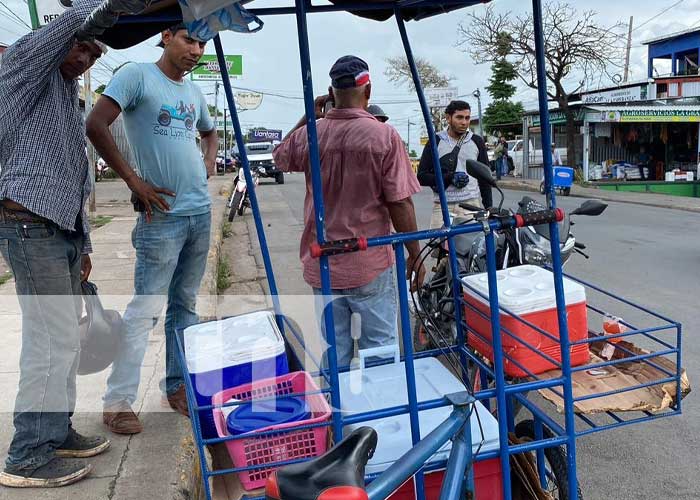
{"points": [[360, 244]]}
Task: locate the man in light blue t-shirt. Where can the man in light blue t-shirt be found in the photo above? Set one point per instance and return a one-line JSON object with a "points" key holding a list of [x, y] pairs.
{"points": [[162, 112]]}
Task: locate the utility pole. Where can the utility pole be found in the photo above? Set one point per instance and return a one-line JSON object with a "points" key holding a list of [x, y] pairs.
{"points": [[225, 135], [409, 135], [87, 89], [216, 103], [627, 52], [477, 94]]}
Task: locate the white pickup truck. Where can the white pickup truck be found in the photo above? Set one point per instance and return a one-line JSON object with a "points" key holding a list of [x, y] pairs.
{"points": [[515, 151]]}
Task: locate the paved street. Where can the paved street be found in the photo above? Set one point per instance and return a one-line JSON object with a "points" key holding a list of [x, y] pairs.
{"points": [[647, 254]]}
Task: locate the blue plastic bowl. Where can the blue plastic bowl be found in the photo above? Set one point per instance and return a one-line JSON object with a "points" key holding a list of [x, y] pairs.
{"points": [[252, 416]]}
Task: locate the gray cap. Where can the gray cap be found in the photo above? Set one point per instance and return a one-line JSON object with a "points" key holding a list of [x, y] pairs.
{"points": [[377, 112]]}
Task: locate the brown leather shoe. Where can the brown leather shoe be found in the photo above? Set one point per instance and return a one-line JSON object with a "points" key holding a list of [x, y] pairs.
{"points": [[121, 419], [178, 401]]}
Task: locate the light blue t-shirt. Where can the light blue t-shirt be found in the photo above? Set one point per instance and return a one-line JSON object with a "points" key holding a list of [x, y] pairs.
{"points": [[161, 117]]}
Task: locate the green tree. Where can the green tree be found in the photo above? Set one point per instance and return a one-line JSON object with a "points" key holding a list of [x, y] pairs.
{"points": [[502, 110], [100, 89], [212, 110], [399, 72]]}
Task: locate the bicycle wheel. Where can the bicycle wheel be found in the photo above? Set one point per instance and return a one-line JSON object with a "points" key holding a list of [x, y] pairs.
{"points": [[555, 462]]}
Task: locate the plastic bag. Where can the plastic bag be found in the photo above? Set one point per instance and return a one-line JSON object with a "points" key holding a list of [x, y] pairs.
{"points": [[205, 26], [101, 332]]}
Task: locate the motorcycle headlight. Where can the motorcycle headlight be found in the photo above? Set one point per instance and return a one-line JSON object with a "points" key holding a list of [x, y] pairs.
{"points": [[532, 254]]}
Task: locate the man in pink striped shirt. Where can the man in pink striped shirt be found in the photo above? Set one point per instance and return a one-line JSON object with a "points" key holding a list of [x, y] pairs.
{"points": [[367, 187]]}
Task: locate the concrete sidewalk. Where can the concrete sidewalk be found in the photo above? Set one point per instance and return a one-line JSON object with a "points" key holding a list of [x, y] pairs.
{"points": [[159, 463], [648, 199]]}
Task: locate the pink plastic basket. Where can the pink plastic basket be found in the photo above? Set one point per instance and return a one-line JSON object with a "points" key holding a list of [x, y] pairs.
{"points": [[289, 444]]}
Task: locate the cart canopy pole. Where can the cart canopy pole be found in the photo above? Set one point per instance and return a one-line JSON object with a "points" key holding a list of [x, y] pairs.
{"points": [[315, 168], [262, 240], [569, 418]]}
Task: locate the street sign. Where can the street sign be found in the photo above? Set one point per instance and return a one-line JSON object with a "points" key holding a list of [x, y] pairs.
{"points": [[440, 97], [209, 68], [43, 12], [220, 124], [248, 100]]}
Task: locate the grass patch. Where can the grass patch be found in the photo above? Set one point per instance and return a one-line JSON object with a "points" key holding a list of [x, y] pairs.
{"points": [[100, 220], [223, 274], [5, 277], [226, 230]]}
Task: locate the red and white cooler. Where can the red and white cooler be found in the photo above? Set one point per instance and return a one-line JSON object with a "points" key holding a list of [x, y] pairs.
{"points": [[527, 292]]}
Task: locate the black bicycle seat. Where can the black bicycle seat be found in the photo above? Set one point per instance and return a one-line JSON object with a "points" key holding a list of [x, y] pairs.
{"points": [[337, 475]]}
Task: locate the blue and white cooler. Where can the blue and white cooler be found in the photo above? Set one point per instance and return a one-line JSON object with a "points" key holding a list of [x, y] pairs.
{"points": [[384, 386], [230, 352]]}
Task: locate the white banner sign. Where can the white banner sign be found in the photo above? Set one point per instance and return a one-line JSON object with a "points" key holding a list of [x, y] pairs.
{"points": [[440, 97], [44, 11], [629, 94]]}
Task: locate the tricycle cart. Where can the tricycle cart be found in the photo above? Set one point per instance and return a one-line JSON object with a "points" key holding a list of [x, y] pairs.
{"points": [[552, 439], [563, 180]]}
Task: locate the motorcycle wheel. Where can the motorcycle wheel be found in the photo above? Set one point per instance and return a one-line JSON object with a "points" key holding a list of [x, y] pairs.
{"points": [[542, 188], [555, 462], [566, 191], [235, 206]]}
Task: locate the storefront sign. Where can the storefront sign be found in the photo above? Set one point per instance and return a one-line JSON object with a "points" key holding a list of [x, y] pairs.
{"points": [[265, 135], [440, 97], [555, 118], [248, 100], [647, 115], [43, 12], [628, 94], [209, 68]]}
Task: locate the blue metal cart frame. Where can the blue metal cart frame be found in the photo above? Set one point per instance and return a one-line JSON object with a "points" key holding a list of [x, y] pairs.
{"points": [[564, 434]]}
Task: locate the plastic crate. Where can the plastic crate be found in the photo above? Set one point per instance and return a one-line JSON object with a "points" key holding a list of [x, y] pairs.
{"points": [[289, 444]]}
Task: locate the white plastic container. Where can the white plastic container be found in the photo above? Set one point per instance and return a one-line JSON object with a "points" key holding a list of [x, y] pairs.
{"points": [[384, 386], [231, 352]]}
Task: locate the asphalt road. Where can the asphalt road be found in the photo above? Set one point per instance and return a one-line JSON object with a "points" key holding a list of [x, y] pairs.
{"points": [[649, 255]]}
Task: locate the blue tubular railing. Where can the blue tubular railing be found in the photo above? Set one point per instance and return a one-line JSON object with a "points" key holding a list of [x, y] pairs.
{"points": [[319, 212], [255, 206], [555, 248]]}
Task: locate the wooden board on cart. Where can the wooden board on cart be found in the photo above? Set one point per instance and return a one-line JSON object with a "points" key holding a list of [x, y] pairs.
{"points": [[619, 377]]}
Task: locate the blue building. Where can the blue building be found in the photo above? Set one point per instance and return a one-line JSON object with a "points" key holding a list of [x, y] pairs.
{"points": [[682, 49]]}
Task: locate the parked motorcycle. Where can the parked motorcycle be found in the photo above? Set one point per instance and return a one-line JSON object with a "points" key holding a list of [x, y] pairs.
{"points": [[433, 304], [101, 170], [239, 200]]}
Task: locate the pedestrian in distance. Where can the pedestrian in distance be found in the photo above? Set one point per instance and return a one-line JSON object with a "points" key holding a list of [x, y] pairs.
{"points": [[460, 187], [368, 184], [45, 239], [169, 186]]}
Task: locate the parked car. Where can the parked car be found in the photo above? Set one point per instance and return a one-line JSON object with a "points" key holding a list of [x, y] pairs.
{"points": [[260, 158], [515, 151]]}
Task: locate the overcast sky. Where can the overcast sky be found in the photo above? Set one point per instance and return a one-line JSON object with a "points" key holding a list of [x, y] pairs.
{"points": [[271, 61]]}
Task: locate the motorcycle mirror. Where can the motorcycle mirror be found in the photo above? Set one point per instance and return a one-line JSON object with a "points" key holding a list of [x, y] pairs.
{"points": [[590, 207], [480, 172]]}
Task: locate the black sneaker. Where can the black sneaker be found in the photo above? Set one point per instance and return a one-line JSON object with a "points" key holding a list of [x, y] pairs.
{"points": [[78, 446], [58, 472]]}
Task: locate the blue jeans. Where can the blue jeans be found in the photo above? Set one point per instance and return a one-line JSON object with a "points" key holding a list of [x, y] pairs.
{"points": [[376, 304], [503, 165], [171, 256], [46, 264]]}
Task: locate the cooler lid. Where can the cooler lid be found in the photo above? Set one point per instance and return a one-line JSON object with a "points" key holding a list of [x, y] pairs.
{"points": [[256, 415], [524, 289], [215, 345], [385, 386]]}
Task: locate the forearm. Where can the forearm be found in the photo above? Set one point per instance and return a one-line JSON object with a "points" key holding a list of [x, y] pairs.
{"points": [[403, 217], [101, 137], [210, 146]]}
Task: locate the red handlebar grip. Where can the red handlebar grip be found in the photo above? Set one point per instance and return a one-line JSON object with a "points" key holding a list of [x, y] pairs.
{"points": [[537, 218], [339, 246]]}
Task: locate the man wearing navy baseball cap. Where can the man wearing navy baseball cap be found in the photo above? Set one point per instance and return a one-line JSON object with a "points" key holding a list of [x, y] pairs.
{"points": [[367, 184]]}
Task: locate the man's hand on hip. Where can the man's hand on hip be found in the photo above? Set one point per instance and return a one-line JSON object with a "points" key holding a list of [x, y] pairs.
{"points": [[85, 267], [149, 195]]}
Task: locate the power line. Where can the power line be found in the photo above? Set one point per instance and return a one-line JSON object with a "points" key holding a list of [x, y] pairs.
{"points": [[658, 15], [2, 3]]}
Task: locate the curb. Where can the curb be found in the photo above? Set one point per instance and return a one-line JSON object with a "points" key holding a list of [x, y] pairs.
{"points": [[594, 193], [190, 485]]}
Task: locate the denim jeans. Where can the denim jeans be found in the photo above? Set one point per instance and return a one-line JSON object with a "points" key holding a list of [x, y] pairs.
{"points": [[376, 304], [171, 255], [45, 262]]}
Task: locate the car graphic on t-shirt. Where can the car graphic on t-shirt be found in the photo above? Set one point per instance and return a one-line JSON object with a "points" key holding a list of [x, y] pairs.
{"points": [[183, 113]]}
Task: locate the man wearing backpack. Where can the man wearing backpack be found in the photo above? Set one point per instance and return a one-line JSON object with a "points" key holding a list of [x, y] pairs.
{"points": [[460, 187]]}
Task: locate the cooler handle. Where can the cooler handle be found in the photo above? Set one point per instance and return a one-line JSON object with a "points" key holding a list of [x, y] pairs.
{"points": [[379, 351]]}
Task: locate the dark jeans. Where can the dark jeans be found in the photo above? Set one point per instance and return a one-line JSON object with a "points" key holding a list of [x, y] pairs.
{"points": [[46, 264]]}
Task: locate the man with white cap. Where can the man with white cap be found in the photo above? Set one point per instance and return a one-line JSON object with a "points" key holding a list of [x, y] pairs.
{"points": [[44, 237]]}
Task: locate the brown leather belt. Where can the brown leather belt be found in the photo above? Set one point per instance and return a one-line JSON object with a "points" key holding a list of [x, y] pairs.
{"points": [[12, 215]]}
